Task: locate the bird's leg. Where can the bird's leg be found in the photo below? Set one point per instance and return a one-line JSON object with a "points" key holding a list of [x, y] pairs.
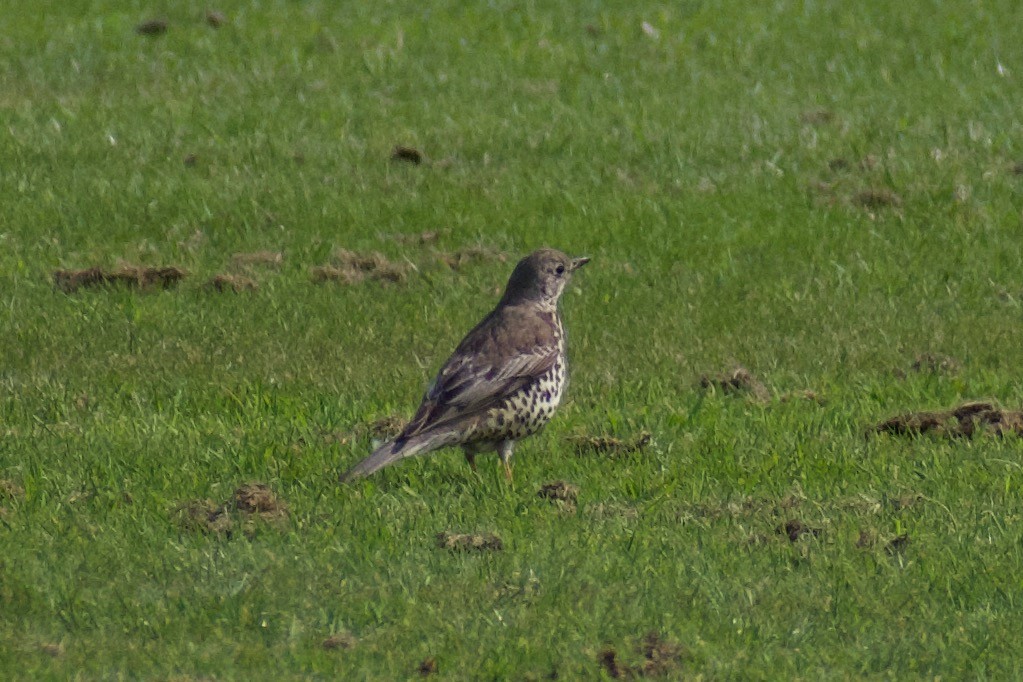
{"points": [[504, 451], [470, 457]]}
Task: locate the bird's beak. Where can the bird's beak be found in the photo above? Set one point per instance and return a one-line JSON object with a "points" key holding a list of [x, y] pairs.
{"points": [[579, 262]]}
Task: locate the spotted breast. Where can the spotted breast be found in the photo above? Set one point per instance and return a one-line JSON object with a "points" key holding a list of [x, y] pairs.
{"points": [[527, 411]]}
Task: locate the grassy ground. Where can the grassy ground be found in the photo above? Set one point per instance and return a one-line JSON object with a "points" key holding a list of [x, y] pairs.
{"points": [[821, 192]]}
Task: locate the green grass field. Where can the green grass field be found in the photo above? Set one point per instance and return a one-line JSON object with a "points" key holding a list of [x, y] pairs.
{"points": [[826, 193]]}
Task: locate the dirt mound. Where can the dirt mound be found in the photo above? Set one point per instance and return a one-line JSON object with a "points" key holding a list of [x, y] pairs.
{"points": [[428, 666], [898, 544], [469, 542], [935, 363], [145, 277], [407, 154], [560, 492], [736, 381], [610, 445], [234, 283], [330, 273], [663, 657], [929, 363], [660, 657], [206, 516], [250, 503], [257, 498], [856, 183], [608, 660], [152, 27], [868, 539], [134, 276], [10, 490], [215, 19], [964, 421], [349, 267], [339, 640], [795, 529], [838, 164], [877, 197]]}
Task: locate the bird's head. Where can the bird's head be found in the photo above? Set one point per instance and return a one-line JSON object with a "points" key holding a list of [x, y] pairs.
{"points": [[541, 277]]}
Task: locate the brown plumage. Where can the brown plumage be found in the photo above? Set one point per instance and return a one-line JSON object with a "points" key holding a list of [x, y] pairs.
{"points": [[505, 378]]}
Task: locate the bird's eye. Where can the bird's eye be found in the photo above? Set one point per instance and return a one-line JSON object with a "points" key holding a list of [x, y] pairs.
{"points": [[560, 270]]}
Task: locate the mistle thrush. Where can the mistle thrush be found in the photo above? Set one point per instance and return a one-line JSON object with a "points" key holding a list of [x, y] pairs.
{"points": [[504, 380]]}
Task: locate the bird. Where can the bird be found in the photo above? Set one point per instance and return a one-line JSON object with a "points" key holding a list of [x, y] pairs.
{"points": [[504, 380]]}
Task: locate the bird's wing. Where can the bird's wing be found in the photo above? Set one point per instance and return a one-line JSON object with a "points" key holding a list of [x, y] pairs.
{"points": [[505, 352]]}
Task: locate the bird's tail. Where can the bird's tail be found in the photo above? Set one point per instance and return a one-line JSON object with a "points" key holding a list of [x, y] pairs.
{"points": [[396, 450]]}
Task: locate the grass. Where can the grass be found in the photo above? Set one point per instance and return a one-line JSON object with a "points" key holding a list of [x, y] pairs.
{"points": [[817, 191]]}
